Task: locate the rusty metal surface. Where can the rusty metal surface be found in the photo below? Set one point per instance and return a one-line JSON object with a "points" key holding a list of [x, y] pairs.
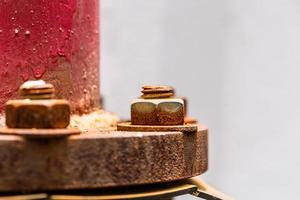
{"points": [[153, 92], [40, 133], [49, 113], [103, 159], [36, 90], [128, 126], [37, 108], [157, 106]]}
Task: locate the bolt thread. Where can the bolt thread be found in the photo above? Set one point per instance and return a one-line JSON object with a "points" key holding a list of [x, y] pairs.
{"points": [[36, 90], [154, 92]]}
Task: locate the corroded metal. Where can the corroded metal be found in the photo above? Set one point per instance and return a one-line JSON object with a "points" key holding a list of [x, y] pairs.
{"points": [[186, 128], [153, 92], [36, 90], [37, 109], [188, 119], [157, 106], [37, 113], [101, 159]]}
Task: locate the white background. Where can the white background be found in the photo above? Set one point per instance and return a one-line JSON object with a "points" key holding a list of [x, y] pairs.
{"points": [[238, 63]]}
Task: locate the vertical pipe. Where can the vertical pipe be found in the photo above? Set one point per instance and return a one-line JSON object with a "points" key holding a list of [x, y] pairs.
{"points": [[57, 41]]}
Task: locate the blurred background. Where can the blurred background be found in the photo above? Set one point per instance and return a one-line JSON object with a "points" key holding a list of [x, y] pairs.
{"points": [[237, 62]]}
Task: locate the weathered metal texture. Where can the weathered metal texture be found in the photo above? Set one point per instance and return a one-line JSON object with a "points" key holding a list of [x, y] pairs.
{"points": [[156, 92], [40, 133], [37, 89], [97, 160], [193, 186], [157, 106], [37, 109], [50, 113], [186, 128]]}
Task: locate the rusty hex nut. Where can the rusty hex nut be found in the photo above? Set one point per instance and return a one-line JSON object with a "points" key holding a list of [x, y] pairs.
{"points": [[37, 108], [27, 113], [165, 111]]}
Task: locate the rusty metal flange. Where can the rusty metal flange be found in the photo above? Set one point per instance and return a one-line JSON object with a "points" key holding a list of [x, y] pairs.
{"points": [[100, 160]]}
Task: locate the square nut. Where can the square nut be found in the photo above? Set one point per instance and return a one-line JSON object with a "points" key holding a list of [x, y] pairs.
{"points": [[166, 111], [50, 113]]}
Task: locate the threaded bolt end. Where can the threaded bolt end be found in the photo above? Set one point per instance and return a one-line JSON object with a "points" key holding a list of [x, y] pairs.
{"points": [[155, 92]]}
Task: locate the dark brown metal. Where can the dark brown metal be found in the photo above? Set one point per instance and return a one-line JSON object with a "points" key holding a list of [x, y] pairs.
{"points": [[157, 106], [50, 113], [165, 191], [152, 92]]}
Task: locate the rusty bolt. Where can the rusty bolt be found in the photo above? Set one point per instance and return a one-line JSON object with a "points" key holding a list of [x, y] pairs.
{"points": [[37, 108], [157, 106], [36, 90]]}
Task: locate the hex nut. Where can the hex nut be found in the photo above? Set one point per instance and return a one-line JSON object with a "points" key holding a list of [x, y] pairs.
{"points": [[26, 113], [170, 113], [143, 113], [166, 111]]}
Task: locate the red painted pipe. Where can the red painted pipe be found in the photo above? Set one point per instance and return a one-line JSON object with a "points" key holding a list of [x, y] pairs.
{"points": [[54, 40]]}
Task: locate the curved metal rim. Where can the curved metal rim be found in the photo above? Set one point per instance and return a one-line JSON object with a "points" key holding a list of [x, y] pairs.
{"points": [[187, 128]]}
